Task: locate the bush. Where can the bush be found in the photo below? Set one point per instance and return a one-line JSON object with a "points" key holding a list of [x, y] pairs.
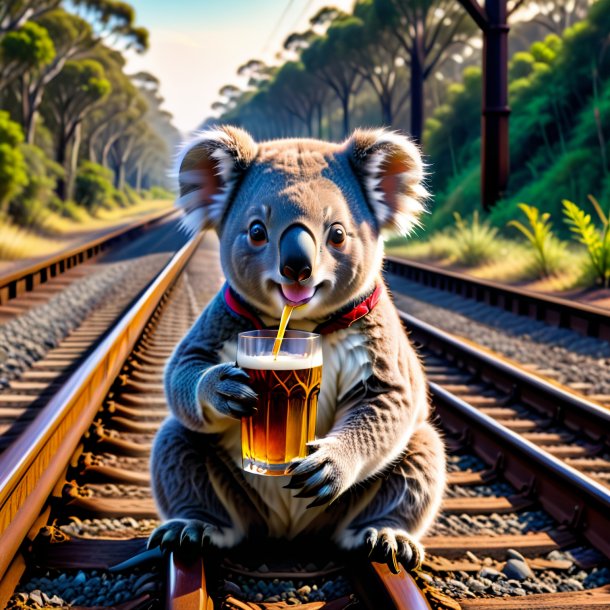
{"points": [[476, 243], [29, 207], [158, 192], [547, 249], [132, 195], [597, 241], [121, 198], [13, 170], [94, 187], [70, 209]]}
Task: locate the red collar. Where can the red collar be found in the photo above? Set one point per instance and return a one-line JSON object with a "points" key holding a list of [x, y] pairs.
{"points": [[339, 320]]}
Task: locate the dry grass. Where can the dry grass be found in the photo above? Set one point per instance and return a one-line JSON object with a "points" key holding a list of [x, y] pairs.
{"points": [[58, 233], [511, 262]]}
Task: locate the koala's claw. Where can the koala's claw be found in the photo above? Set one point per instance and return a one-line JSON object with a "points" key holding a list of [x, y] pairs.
{"points": [[182, 536], [228, 371], [393, 547], [315, 478], [224, 386]]}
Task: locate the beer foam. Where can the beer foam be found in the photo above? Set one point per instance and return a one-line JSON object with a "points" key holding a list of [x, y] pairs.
{"points": [[283, 362]]}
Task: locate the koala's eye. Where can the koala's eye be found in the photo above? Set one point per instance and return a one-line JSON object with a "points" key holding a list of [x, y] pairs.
{"points": [[258, 234], [336, 237]]}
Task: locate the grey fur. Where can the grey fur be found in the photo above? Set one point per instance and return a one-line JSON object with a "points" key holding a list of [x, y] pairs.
{"points": [[377, 474]]}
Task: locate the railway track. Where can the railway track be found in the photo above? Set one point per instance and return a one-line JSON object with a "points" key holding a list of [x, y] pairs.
{"points": [[587, 320], [46, 332], [74, 493], [47, 276]]}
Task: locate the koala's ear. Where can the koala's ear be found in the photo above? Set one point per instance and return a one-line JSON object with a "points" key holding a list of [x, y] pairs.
{"points": [[391, 170], [209, 168]]}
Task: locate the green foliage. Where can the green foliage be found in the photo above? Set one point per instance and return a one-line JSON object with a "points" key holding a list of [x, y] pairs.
{"points": [[452, 135], [30, 45], [548, 250], [94, 187], [31, 205], [13, 170], [158, 192], [10, 132], [71, 210], [559, 93], [476, 241], [596, 240], [131, 194]]}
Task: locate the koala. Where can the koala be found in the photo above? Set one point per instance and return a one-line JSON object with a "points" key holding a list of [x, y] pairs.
{"points": [[301, 221]]}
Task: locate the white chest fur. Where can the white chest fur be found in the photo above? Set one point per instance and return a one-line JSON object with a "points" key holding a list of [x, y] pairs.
{"points": [[346, 361]]}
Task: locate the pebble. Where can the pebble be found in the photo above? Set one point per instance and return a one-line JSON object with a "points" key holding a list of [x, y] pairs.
{"points": [[490, 574], [517, 569], [512, 554], [26, 338], [87, 588], [574, 358]]}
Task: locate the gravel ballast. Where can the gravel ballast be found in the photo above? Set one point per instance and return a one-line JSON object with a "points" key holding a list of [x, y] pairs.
{"points": [[574, 359]]}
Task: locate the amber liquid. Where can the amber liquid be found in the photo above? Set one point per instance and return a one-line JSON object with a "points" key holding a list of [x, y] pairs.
{"points": [[285, 421]]}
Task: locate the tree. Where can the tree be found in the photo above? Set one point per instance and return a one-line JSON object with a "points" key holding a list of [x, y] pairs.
{"points": [[72, 95], [299, 94], [114, 22], [376, 55], [15, 13], [28, 48], [559, 15], [71, 36], [328, 57], [427, 30]]}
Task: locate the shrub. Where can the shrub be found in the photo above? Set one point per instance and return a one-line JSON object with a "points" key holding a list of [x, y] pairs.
{"points": [[548, 250], [596, 241], [158, 192], [476, 241], [94, 187], [132, 195], [121, 198], [70, 209], [38, 196], [13, 170]]}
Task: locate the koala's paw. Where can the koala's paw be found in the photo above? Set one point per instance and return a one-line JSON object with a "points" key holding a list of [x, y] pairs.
{"points": [[225, 388], [318, 476], [393, 547], [184, 537]]}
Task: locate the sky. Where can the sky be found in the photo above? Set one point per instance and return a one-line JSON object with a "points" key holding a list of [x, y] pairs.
{"points": [[196, 46]]}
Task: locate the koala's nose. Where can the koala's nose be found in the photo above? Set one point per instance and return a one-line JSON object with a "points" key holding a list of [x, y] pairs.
{"points": [[297, 253]]}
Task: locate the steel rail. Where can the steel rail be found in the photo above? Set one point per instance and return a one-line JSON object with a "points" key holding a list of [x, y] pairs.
{"points": [[23, 280], [31, 467], [376, 586], [573, 410], [587, 320], [567, 495]]}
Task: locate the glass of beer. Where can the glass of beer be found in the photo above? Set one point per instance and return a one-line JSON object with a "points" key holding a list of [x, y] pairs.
{"points": [[287, 386]]}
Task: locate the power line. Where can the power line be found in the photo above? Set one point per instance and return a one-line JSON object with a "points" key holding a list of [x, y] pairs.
{"points": [[301, 14], [277, 26]]}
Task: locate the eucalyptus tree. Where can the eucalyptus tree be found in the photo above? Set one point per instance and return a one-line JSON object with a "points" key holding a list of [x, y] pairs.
{"points": [[257, 72], [299, 94], [15, 13], [328, 57], [558, 15], [27, 48], [106, 122], [379, 58], [71, 36], [73, 94], [428, 31], [114, 23]]}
